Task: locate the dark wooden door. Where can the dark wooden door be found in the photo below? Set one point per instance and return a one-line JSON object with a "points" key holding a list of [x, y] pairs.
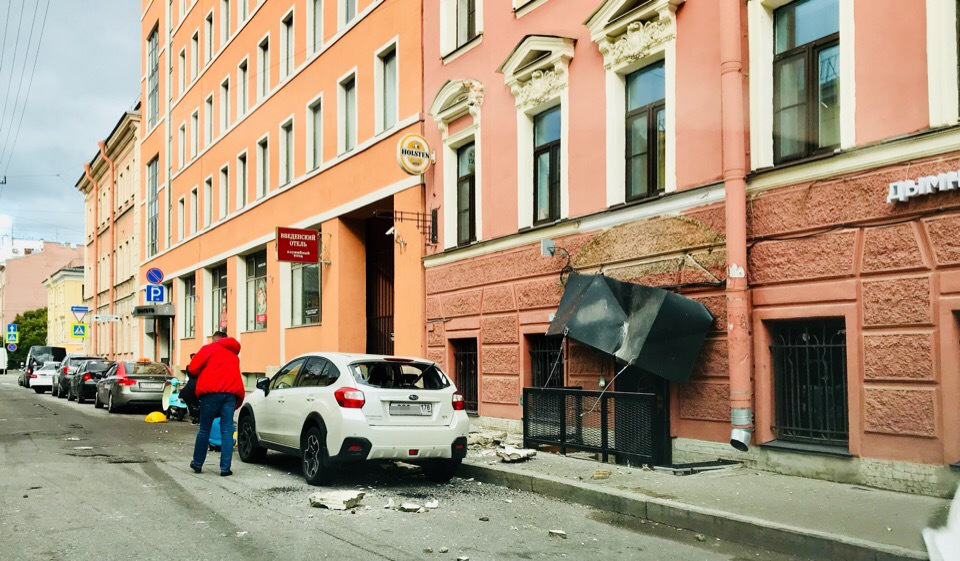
{"points": [[380, 296]]}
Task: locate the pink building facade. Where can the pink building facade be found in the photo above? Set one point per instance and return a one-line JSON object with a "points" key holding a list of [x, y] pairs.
{"points": [[616, 131], [21, 278]]}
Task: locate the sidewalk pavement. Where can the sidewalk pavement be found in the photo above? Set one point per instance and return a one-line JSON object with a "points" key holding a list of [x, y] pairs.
{"points": [[795, 515]]}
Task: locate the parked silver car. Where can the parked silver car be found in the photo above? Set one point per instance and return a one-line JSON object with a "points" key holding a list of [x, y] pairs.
{"points": [[131, 383]]}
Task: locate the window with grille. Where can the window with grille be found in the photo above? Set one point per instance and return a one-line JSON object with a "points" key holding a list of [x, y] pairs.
{"points": [[810, 381], [465, 370], [546, 361]]}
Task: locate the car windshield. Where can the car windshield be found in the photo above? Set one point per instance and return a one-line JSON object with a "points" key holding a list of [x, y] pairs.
{"points": [[397, 375]]}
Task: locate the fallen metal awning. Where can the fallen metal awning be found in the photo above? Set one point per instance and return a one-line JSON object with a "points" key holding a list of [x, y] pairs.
{"points": [[653, 329]]}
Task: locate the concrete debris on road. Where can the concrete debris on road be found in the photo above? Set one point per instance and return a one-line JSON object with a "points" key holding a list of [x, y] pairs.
{"points": [[391, 504], [701, 538], [444, 549], [432, 504], [336, 500], [83, 447], [510, 454], [484, 519], [409, 507], [241, 534], [71, 439], [558, 534], [463, 558], [602, 474]]}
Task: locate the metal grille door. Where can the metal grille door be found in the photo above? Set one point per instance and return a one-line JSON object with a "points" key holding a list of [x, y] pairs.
{"points": [[810, 381], [465, 367], [379, 288], [546, 361]]}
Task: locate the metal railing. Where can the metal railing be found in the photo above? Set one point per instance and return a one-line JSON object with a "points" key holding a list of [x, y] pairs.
{"points": [[621, 424]]}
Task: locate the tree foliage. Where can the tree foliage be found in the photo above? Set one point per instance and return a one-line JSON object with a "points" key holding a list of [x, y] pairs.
{"points": [[33, 331]]}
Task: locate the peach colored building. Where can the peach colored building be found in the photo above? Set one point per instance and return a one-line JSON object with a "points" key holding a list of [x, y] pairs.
{"points": [[21, 278], [111, 188], [281, 113], [810, 147]]}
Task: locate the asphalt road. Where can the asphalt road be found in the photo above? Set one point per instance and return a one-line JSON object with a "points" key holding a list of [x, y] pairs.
{"points": [[77, 483]]}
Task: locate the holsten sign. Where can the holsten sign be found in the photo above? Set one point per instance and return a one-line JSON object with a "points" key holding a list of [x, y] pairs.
{"points": [[298, 246], [901, 191]]}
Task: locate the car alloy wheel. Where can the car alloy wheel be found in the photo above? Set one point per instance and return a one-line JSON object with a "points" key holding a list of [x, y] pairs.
{"points": [[96, 400], [111, 408], [313, 455], [247, 445]]}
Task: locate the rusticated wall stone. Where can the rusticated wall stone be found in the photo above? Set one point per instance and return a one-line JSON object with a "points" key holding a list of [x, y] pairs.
{"points": [[712, 362], [714, 217], [584, 361], [498, 299], [891, 249], [501, 389], [461, 304], [705, 401], [437, 355], [717, 306], [500, 360], [903, 356], [541, 293], [434, 308], [436, 337], [646, 237], [945, 239], [824, 256], [896, 301], [900, 411], [499, 329]]}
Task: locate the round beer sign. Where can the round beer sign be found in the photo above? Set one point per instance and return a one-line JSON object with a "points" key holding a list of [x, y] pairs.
{"points": [[413, 154]]}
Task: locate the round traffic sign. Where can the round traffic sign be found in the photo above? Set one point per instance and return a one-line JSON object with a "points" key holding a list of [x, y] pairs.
{"points": [[12, 347], [155, 276]]}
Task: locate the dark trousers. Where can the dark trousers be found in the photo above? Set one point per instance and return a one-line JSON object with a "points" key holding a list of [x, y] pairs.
{"points": [[215, 405]]}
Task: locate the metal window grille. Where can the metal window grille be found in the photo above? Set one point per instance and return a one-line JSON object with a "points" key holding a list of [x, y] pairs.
{"points": [[465, 367], [546, 361], [810, 381]]}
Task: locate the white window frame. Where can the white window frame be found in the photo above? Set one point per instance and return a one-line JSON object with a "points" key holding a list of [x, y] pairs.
{"points": [[195, 55], [263, 65], [208, 48], [379, 76], [223, 191], [224, 105], [288, 49], [263, 171], [285, 176], [341, 115], [625, 51], [536, 88], [342, 20], [182, 144], [207, 202], [182, 219], [459, 99], [312, 46], [194, 133], [242, 174], [208, 120], [944, 98], [448, 30], [242, 12], [760, 30], [224, 22], [194, 209], [243, 86], [311, 138], [182, 71]]}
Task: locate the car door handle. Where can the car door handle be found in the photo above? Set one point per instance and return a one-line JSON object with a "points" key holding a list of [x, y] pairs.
{"points": [[280, 401], [310, 398]]}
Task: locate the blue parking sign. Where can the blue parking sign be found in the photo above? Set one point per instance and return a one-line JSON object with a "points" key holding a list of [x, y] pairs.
{"points": [[155, 293]]}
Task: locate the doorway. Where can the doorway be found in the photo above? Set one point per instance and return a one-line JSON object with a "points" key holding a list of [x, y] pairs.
{"points": [[643, 428], [380, 296]]}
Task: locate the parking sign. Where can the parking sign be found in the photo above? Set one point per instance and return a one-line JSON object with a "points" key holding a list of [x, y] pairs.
{"points": [[155, 293]]}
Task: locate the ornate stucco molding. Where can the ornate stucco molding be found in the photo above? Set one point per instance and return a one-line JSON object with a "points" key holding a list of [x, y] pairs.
{"points": [[536, 70], [455, 99], [638, 42], [625, 35], [540, 88]]}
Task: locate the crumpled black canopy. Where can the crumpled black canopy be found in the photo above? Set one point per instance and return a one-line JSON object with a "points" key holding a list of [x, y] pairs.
{"points": [[654, 329]]}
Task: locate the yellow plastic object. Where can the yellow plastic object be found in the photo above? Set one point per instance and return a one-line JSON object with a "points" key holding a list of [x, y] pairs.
{"points": [[156, 417]]}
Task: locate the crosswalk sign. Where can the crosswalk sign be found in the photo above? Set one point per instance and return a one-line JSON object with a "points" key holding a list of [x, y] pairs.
{"points": [[78, 330], [13, 333]]}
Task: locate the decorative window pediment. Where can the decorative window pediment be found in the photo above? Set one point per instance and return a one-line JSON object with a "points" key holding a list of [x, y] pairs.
{"points": [[627, 31], [536, 69], [455, 99]]}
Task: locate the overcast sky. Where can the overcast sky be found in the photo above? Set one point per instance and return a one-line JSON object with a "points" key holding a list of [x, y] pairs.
{"points": [[87, 75]]}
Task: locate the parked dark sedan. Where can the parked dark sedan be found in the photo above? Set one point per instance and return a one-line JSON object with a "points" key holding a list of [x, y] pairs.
{"points": [[132, 383], [83, 384], [69, 366]]}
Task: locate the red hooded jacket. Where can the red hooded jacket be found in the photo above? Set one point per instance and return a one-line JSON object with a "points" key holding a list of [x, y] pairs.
{"points": [[217, 368]]}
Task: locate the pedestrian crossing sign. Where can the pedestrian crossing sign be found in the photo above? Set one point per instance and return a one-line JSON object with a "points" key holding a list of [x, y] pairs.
{"points": [[78, 330], [13, 338]]}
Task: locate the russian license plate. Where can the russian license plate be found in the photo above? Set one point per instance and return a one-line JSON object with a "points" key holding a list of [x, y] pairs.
{"points": [[151, 385], [411, 409]]}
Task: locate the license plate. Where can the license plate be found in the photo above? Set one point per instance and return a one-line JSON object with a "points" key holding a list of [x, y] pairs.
{"points": [[151, 385], [411, 409]]}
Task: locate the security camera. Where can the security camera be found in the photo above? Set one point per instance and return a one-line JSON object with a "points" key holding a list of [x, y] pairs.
{"points": [[392, 231]]}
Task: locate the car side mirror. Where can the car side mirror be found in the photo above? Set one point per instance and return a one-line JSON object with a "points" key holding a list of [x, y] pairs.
{"points": [[263, 384]]}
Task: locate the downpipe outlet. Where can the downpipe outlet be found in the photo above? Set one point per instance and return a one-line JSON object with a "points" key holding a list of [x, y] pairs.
{"points": [[742, 421]]}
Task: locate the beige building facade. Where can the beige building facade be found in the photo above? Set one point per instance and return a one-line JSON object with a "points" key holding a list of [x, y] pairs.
{"points": [[110, 186], [64, 290]]}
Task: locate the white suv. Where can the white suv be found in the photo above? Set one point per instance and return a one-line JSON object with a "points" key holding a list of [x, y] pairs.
{"points": [[333, 408]]}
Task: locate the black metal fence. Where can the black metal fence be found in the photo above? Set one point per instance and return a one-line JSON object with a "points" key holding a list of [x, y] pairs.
{"points": [[465, 369], [618, 423], [810, 381]]}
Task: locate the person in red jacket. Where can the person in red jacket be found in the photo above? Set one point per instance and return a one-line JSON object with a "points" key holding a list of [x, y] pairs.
{"points": [[220, 389]]}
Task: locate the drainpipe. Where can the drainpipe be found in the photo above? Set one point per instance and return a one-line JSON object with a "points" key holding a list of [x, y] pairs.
{"points": [[735, 185], [96, 252], [113, 245]]}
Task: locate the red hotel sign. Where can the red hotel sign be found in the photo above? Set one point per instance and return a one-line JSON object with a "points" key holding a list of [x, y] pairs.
{"points": [[298, 246]]}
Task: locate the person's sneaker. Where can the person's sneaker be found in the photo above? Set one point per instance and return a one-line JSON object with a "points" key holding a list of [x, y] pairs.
{"points": [[226, 473], [196, 469]]}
